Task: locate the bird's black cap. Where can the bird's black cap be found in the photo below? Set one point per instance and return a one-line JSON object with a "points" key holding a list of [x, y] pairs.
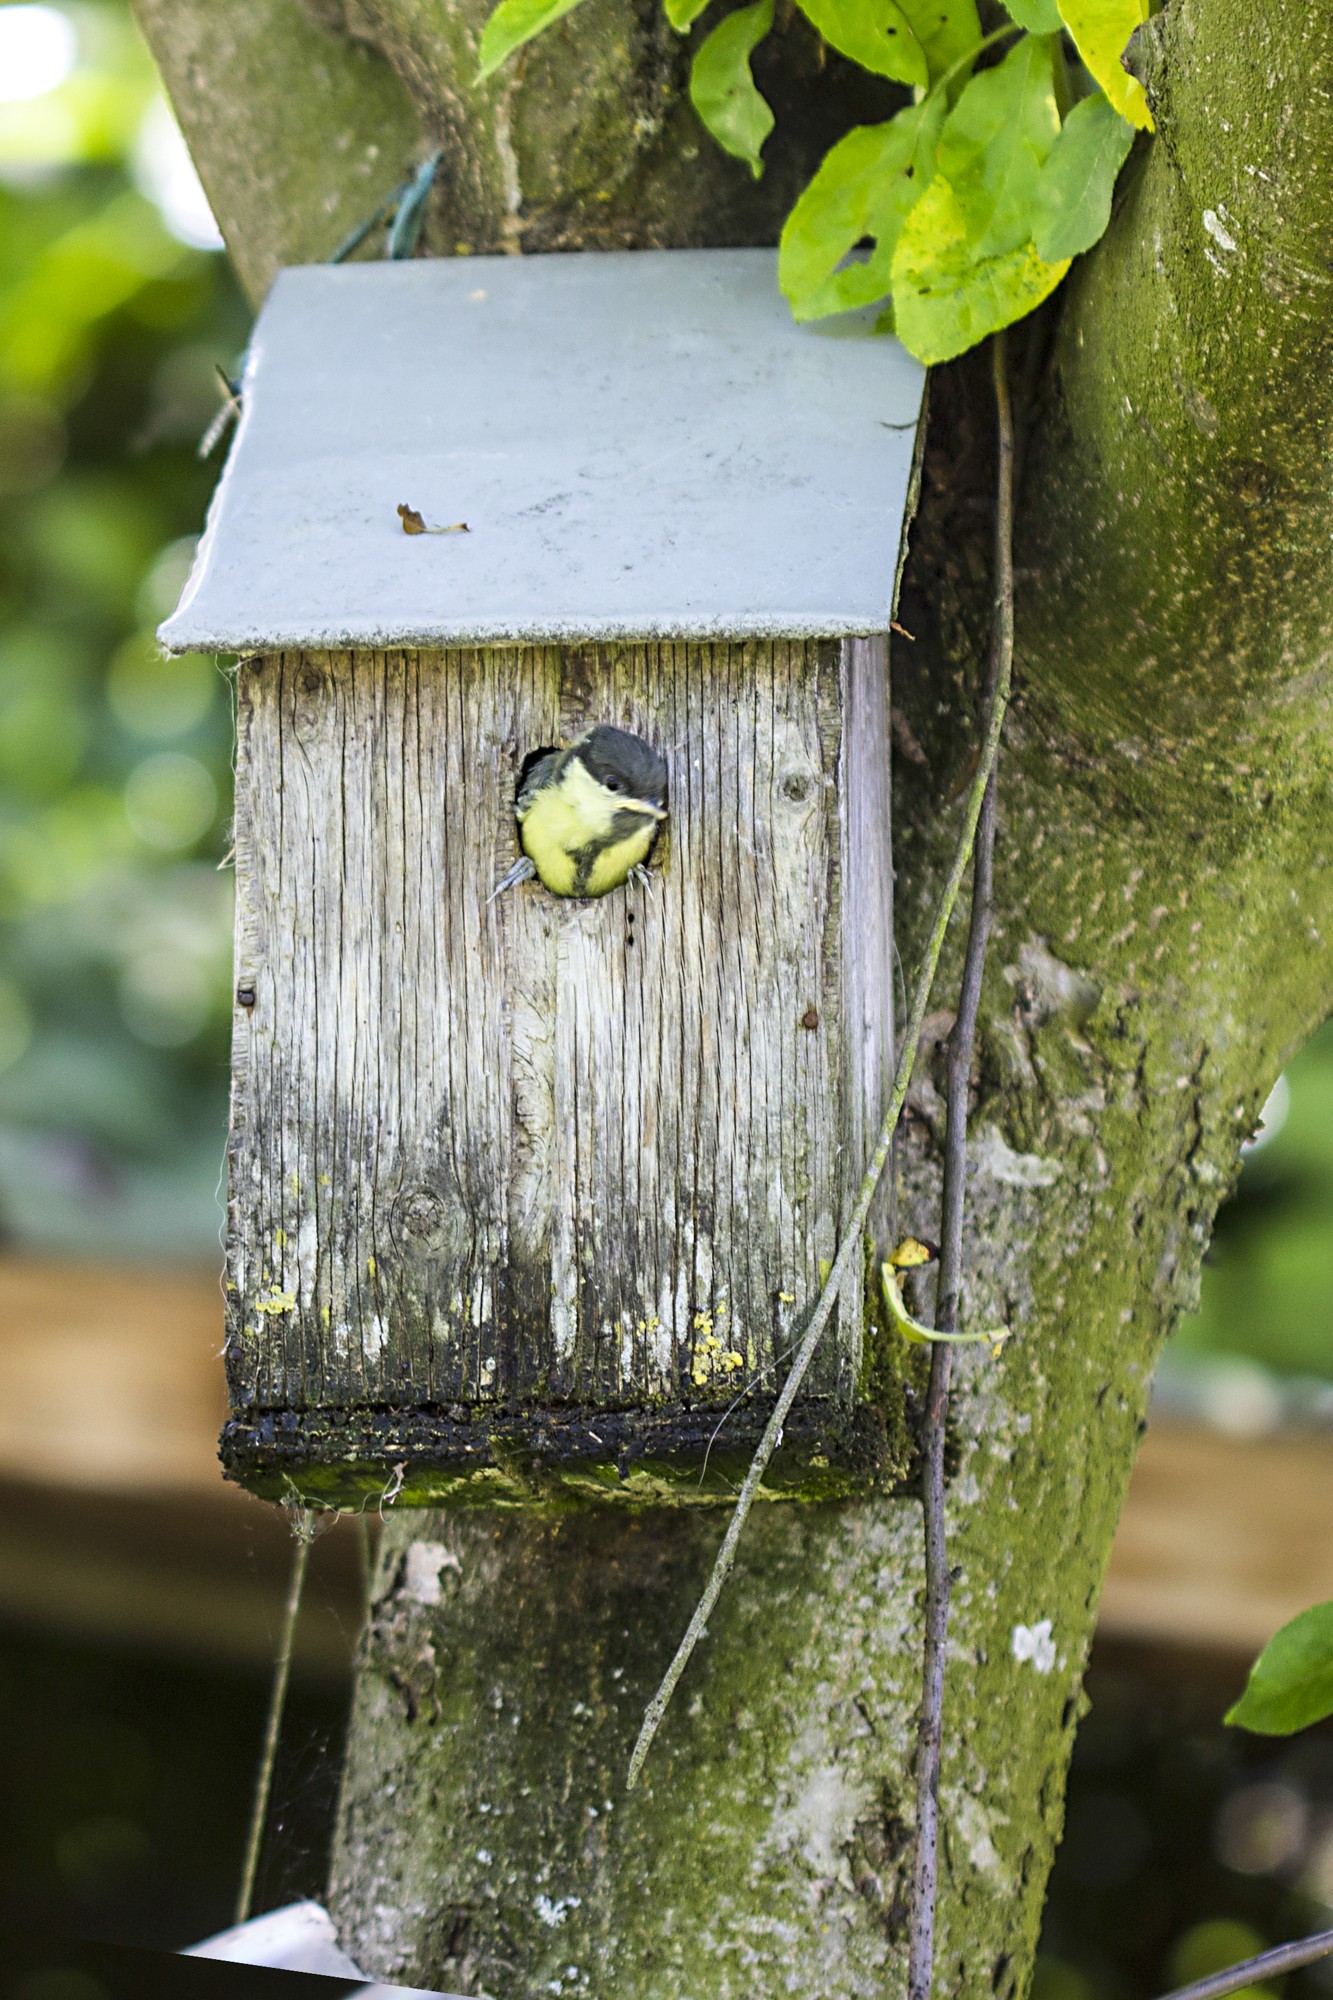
{"points": [[624, 763]]}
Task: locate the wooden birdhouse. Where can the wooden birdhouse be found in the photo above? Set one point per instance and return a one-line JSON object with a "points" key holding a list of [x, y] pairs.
{"points": [[538, 1188]]}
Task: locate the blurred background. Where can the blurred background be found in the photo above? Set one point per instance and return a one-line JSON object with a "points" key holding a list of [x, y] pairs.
{"points": [[139, 1598]]}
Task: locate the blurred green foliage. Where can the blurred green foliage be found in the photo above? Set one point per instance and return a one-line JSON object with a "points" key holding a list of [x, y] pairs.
{"points": [[1187, 1846], [1268, 1282], [114, 763]]}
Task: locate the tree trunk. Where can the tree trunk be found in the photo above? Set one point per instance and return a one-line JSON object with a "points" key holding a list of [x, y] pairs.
{"points": [[1162, 907]]}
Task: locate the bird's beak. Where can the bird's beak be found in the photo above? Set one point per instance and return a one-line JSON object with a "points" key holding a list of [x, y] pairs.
{"points": [[650, 811]]}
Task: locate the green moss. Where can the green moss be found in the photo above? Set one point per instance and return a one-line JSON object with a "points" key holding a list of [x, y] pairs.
{"points": [[551, 1460]]}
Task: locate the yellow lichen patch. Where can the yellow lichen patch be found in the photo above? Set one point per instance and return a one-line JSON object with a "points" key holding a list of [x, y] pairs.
{"points": [[276, 1302], [371, 1266], [711, 1358], [279, 1239]]}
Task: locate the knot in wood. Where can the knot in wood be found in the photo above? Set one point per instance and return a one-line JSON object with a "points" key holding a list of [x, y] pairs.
{"points": [[422, 1217]]}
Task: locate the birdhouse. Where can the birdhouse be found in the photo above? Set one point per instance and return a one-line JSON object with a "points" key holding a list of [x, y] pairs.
{"points": [[538, 1187]]}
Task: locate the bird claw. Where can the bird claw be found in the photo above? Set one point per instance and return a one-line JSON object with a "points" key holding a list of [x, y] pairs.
{"points": [[522, 871], [640, 874]]}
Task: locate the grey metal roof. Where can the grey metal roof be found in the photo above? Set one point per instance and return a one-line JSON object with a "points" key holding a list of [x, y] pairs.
{"points": [[642, 444]]}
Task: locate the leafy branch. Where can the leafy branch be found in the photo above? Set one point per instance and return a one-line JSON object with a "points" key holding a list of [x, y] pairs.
{"points": [[963, 211]]}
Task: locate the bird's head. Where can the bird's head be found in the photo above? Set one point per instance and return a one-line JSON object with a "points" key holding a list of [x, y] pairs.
{"points": [[625, 766]]}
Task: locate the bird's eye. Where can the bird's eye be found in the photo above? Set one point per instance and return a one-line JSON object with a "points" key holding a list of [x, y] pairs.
{"points": [[613, 785]]}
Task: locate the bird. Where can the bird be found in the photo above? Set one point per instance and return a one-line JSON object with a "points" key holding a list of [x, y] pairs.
{"points": [[588, 815]]}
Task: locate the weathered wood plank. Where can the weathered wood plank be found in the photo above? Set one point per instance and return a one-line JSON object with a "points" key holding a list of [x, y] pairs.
{"points": [[867, 961], [535, 1154]]}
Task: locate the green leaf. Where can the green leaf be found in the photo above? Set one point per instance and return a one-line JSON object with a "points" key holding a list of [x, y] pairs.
{"points": [[722, 89], [513, 23], [945, 296], [874, 33], [682, 14], [866, 186], [1101, 29], [946, 30], [1074, 188], [995, 142], [1039, 17], [1291, 1682]]}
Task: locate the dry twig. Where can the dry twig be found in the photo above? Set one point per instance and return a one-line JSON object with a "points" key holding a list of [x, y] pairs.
{"points": [[304, 1530], [1266, 1965]]}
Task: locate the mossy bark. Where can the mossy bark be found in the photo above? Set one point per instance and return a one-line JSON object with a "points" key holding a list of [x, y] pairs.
{"points": [[1164, 901], [302, 115]]}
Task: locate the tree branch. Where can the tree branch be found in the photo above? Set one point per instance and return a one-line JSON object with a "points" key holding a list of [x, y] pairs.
{"points": [[301, 115], [297, 133], [1265, 1965], [303, 1530]]}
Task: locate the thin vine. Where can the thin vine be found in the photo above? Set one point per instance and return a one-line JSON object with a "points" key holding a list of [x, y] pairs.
{"points": [[999, 665]]}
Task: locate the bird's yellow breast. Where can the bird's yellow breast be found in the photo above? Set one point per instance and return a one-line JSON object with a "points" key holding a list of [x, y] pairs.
{"points": [[562, 820], [611, 867]]}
